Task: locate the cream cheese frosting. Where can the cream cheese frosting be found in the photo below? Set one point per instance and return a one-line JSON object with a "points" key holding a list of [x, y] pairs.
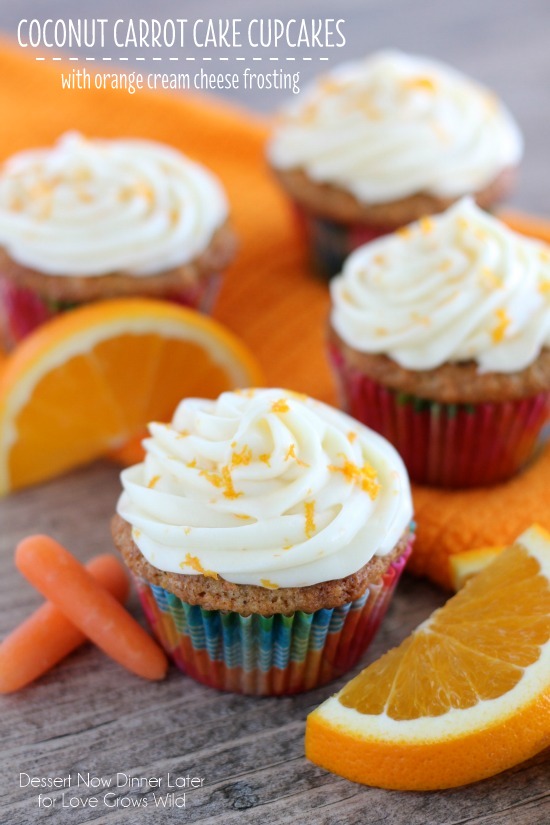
{"points": [[395, 125], [93, 207], [460, 286], [267, 488]]}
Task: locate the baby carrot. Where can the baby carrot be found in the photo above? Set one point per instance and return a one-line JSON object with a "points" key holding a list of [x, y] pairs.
{"points": [[46, 637], [66, 583]]}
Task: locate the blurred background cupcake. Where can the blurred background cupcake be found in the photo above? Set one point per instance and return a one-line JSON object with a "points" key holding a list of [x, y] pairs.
{"points": [[91, 219], [440, 338], [376, 144], [266, 533]]}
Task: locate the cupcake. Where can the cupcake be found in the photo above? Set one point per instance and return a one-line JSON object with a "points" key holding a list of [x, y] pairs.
{"points": [[376, 144], [91, 219], [440, 338], [266, 533]]}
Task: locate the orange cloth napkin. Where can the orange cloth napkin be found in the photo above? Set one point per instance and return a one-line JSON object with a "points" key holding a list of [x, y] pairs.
{"points": [[269, 296]]}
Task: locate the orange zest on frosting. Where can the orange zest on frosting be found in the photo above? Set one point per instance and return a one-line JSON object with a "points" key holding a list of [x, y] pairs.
{"points": [[153, 481], [352, 436], [365, 476], [504, 322], [280, 406], [194, 563], [310, 518], [222, 481], [490, 279], [422, 83], [242, 516], [270, 585], [244, 457], [265, 458], [426, 224], [291, 453]]}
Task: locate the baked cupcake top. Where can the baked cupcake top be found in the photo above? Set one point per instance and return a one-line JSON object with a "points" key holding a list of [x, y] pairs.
{"points": [[394, 125], [94, 207], [265, 487], [457, 287]]}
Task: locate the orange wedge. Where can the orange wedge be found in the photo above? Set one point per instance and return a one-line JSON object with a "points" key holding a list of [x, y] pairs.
{"points": [[467, 564], [90, 379], [466, 696]]}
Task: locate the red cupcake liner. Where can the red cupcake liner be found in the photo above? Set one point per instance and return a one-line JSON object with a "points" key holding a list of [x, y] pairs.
{"points": [[331, 242], [447, 445], [268, 655], [22, 310]]}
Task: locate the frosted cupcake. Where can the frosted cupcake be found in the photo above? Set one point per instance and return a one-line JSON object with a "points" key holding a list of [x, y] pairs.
{"points": [[440, 336], [266, 533], [91, 219], [376, 144]]}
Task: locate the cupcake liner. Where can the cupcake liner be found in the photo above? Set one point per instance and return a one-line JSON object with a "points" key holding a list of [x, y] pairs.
{"points": [[447, 445], [22, 309], [330, 242], [267, 655]]}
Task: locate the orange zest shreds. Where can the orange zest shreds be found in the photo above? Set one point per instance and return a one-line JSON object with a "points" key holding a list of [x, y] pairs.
{"points": [[364, 476], [310, 518], [351, 436], [265, 458], [244, 457], [420, 319], [544, 287], [425, 84], [194, 563], [280, 406], [136, 533], [191, 464], [490, 279], [426, 224], [287, 546], [153, 482], [182, 434], [404, 232], [222, 481], [187, 530], [242, 516], [291, 453], [504, 322], [269, 584]]}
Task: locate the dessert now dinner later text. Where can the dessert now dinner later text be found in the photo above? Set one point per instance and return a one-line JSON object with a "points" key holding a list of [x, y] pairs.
{"points": [[120, 790]]}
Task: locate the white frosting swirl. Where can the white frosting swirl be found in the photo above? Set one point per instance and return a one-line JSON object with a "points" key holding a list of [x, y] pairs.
{"points": [[93, 207], [266, 488], [395, 125], [459, 286]]}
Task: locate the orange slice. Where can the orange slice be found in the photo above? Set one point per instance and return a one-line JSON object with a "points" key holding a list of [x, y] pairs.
{"points": [[470, 562], [465, 696], [90, 379]]}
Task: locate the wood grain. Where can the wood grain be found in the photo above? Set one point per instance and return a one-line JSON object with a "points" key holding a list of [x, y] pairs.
{"points": [[90, 716]]}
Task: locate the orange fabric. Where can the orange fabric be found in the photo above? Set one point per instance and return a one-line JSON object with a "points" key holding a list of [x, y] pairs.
{"points": [[269, 296]]}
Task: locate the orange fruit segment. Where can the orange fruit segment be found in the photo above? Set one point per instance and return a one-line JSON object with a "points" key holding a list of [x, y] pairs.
{"points": [[90, 379], [470, 562], [466, 696]]}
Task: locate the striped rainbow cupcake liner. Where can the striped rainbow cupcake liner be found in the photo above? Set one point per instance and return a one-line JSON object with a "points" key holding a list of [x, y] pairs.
{"points": [[447, 445], [22, 310], [330, 242], [267, 655]]}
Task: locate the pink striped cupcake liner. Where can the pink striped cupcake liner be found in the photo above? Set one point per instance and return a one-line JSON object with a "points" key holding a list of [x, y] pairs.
{"points": [[447, 445], [22, 310]]}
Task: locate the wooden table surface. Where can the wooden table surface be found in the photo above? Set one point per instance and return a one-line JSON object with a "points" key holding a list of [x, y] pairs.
{"points": [[89, 716]]}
